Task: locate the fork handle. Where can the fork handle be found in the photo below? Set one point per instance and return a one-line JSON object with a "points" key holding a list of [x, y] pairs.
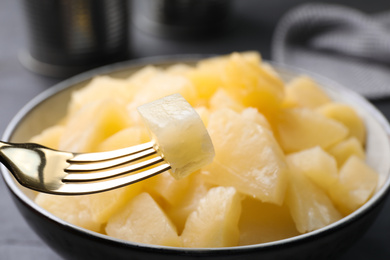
{"points": [[12, 156], [6, 161], [2, 144], [24, 160]]}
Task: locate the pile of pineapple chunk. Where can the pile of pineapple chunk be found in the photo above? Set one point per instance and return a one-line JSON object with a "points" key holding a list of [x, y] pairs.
{"points": [[288, 160]]}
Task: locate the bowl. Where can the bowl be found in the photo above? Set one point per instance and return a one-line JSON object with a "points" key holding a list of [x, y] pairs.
{"points": [[74, 242]]}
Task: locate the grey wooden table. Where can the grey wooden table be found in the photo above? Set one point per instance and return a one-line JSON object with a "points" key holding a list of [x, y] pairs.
{"points": [[252, 29]]}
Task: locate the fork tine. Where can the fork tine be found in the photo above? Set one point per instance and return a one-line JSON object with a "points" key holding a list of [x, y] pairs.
{"points": [[86, 176], [94, 187], [103, 156], [100, 165]]}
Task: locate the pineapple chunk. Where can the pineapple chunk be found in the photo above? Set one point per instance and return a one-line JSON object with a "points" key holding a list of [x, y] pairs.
{"points": [[93, 123], [205, 82], [348, 117], [188, 200], [215, 221], [164, 84], [101, 87], [255, 58], [310, 206], [141, 77], [247, 157], [345, 149], [357, 183], [221, 99], [155, 84], [50, 137], [204, 114], [143, 221], [317, 165], [253, 85], [264, 222], [304, 92], [214, 65], [72, 209], [104, 204], [166, 186], [251, 114], [88, 211], [179, 133], [130, 136], [180, 69], [300, 128]]}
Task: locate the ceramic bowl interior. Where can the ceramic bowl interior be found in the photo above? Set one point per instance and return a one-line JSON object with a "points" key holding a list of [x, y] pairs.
{"points": [[49, 107]]}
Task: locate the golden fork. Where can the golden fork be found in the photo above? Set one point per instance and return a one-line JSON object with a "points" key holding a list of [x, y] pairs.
{"points": [[51, 171]]}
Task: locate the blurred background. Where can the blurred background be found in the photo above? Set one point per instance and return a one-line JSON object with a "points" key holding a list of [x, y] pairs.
{"points": [[249, 25]]}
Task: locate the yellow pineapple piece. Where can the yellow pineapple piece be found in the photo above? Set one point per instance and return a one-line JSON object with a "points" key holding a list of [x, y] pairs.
{"points": [[164, 84], [69, 208], [209, 76], [214, 64], [347, 116], [345, 149], [104, 204], [247, 157], [88, 211], [253, 85], [264, 222], [130, 136], [206, 82], [50, 137], [317, 165], [251, 114], [300, 128], [357, 182], [179, 133], [214, 223], [101, 87], [93, 123], [156, 85], [188, 200], [166, 186], [204, 114], [179, 69], [142, 76], [302, 91], [143, 221], [252, 57], [218, 63], [310, 206], [221, 99]]}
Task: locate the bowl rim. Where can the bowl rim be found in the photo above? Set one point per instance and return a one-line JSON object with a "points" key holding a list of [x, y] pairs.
{"points": [[9, 180]]}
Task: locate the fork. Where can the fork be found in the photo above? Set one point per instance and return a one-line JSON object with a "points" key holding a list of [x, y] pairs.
{"points": [[64, 173]]}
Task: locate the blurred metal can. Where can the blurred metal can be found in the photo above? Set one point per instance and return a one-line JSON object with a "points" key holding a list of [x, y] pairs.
{"points": [[66, 37], [182, 18]]}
